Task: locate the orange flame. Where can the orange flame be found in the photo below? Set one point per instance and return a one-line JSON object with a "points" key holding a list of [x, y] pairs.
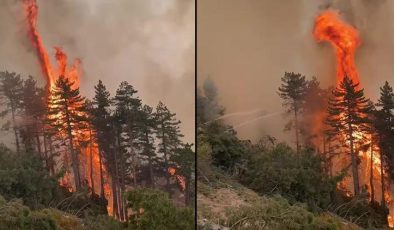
{"points": [[73, 73], [343, 37], [180, 179]]}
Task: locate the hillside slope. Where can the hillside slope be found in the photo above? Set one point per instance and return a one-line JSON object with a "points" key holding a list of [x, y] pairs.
{"points": [[222, 203]]}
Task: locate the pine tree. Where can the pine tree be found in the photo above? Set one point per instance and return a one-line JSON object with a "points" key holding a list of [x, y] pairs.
{"points": [[101, 119], [384, 125], [127, 116], [169, 135], [67, 115], [33, 113], [347, 116], [146, 139], [90, 144], [11, 89], [292, 91], [184, 158], [314, 106], [128, 112], [371, 138]]}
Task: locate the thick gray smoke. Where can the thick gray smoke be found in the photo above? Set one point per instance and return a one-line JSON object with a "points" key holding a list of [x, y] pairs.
{"points": [[149, 43], [245, 46]]}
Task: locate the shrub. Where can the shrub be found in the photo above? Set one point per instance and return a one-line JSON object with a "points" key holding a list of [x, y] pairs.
{"points": [[277, 213], [23, 176], [152, 209], [297, 177]]}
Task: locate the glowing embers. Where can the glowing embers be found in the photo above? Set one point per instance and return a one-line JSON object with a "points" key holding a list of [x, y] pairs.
{"points": [[180, 179]]}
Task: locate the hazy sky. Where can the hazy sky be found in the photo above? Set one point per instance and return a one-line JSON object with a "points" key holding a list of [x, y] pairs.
{"points": [[149, 43], [245, 46]]}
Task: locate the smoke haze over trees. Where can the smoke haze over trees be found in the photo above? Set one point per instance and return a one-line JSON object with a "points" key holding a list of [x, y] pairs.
{"points": [[148, 43], [246, 46]]}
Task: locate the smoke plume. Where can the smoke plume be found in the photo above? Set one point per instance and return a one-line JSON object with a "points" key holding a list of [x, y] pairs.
{"points": [[245, 46], [148, 43]]}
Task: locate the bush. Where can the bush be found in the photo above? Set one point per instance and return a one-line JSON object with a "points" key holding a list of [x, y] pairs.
{"points": [[297, 177], [101, 222], [14, 215], [152, 209], [277, 213], [23, 176]]}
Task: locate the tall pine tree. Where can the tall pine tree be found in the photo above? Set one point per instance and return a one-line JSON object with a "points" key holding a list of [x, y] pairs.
{"points": [[67, 116], [168, 133], [384, 125], [292, 91], [146, 140], [348, 116], [101, 119], [11, 89], [33, 113]]}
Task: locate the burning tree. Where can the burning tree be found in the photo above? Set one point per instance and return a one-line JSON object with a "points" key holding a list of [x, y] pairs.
{"points": [[67, 116], [107, 146], [350, 112], [384, 126], [348, 117]]}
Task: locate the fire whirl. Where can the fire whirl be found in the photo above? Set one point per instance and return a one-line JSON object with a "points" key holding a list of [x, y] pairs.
{"points": [[345, 40], [343, 37], [73, 73]]}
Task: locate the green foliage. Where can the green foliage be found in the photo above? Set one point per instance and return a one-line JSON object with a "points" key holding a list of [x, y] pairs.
{"points": [[297, 177], [102, 222], [154, 210], [185, 159], [359, 210], [15, 216], [293, 90], [81, 203], [11, 94], [208, 107], [277, 213], [226, 149], [23, 176], [384, 125]]}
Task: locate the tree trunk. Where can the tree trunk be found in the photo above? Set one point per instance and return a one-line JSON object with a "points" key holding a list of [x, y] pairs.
{"points": [[15, 130], [122, 177], [371, 175], [382, 178], [330, 158], [46, 157], [101, 174], [151, 176], [115, 212], [326, 156], [38, 142], [354, 162], [134, 163], [166, 161], [187, 191], [74, 156], [296, 128], [91, 160], [118, 177], [51, 157]]}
